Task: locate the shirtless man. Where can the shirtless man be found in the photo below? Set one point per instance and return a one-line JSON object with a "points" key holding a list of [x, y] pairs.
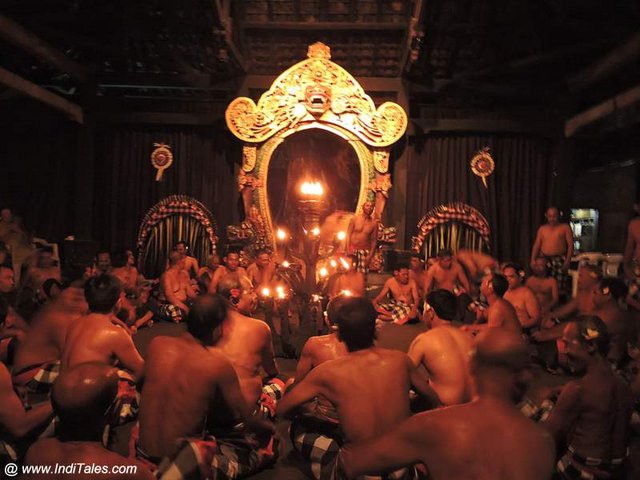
{"points": [[177, 289], [349, 281], [500, 313], [262, 271], [205, 274], [124, 270], [522, 298], [369, 388], [631, 257], [593, 413], [446, 274], [190, 263], [605, 302], [444, 351], [544, 287], [417, 273], [103, 262], [80, 397], [186, 381], [487, 439], [554, 242], [44, 269], [231, 265], [362, 236], [403, 305], [94, 338], [37, 358], [246, 341]]}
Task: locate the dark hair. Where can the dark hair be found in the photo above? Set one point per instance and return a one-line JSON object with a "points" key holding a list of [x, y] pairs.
{"points": [[416, 255], [119, 259], [613, 285], [182, 242], [228, 283], [4, 309], [262, 251], [445, 252], [207, 313], [499, 283], [102, 293], [174, 257], [517, 268], [444, 303], [593, 331], [401, 266], [48, 284], [333, 306], [356, 320]]}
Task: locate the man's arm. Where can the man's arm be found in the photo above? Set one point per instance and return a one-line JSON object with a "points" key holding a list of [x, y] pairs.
{"points": [[13, 416], [535, 250], [213, 284], [532, 306], [127, 353], [565, 412], [421, 385], [305, 363], [428, 281], [349, 233], [313, 385], [403, 446], [269, 364], [383, 293], [416, 299], [373, 241], [555, 295], [462, 278], [565, 310], [568, 237]]}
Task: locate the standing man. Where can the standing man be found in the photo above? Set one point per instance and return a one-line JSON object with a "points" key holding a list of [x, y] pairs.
{"points": [[362, 236], [554, 241], [632, 248]]}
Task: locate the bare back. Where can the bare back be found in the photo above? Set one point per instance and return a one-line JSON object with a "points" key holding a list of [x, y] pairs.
{"points": [[502, 314], [82, 456], [444, 352]]}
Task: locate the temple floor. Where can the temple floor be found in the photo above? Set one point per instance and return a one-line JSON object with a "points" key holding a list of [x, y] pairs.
{"points": [[289, 465]]}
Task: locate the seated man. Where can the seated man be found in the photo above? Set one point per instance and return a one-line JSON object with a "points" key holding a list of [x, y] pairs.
{"points": [[82, 396], [403, 304], [248, 346], [231, 265], [176, 288], [190, 263], [544, 286], [522, 298], [205, 274], [417, 273], [94, 338], [16, 424], [487, 439], [44, 269], [500, 313], [619, 325], [37, 359], [369, 387], [350, 280], [593, 413], [186, 382], [444, 351], [446, 274]]}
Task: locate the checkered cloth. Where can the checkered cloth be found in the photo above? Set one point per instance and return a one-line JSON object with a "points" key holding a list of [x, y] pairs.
{"points": [[172, 312], [319, 443], [272, 392], [398, 310], [127, 402], [555, 269], [537, 413], [361, 260], [573, 466], [36, 379]]}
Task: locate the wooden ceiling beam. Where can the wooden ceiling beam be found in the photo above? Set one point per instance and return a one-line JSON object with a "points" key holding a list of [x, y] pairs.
{"points": [[16, 34], [11, 80], [307, 26]]}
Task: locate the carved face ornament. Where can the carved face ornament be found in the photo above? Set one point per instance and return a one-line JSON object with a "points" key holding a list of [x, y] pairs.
{"points": [[317, 99]]}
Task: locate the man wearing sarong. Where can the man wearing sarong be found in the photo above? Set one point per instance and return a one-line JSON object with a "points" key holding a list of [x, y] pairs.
{"points": [[362, 235], [554, 242], [186, 382], [369, 388], [486, 439], [592, 413], [522, 298], [177, 289], [95, 338], [83, 397], [403, 304]]}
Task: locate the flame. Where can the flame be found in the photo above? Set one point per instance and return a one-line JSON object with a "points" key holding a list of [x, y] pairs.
{"points": [[266, 292], [347, 293], [312, 189], [342, 235], [344, 263], [333, 263], [315, 231], [323, 272], [285, 264], [281, 234]]}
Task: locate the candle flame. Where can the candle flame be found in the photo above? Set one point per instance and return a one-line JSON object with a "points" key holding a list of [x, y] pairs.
{"points": [[281, 234], [342, 235], [313, 189], [280, 289], [347, 293], [344, 263], [315, 231], [285, 264], [266, 292], [323, 272], [333, 263]]}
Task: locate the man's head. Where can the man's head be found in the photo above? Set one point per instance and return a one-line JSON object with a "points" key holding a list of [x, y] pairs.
{"points": [[182, 248], [238, 291], [583, 340], [232, 261], [367, 207], [608, 290], [356, 320], [494, 284], [45, 258], [416, 262], [4, 310], [401, 274], [552, 215], [443, 305], [514, 274], [131, 258], [445, 258], [540, 267], [103, 261], [205, 318], [119, 259], [82, 397], [501, 363], [176, 260], [213, 261], [7, 280], [588, 277], [6, 215], [102, 293], [52, 288], [263, 258], [332, 310]]}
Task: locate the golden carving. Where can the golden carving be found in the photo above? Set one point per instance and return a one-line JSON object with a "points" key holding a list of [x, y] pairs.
{"points": [[381, 161], [316, 89], [248, 157]]}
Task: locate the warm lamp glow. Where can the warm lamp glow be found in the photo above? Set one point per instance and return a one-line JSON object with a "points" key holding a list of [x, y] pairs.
{"points": [[347, 293], [342, 235], [333, 263], [323, 272], [312, 189], [282, 295], [281, 234], [285, 264], [280, 289], [266, 292], [344, 263], [315, 232]]}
